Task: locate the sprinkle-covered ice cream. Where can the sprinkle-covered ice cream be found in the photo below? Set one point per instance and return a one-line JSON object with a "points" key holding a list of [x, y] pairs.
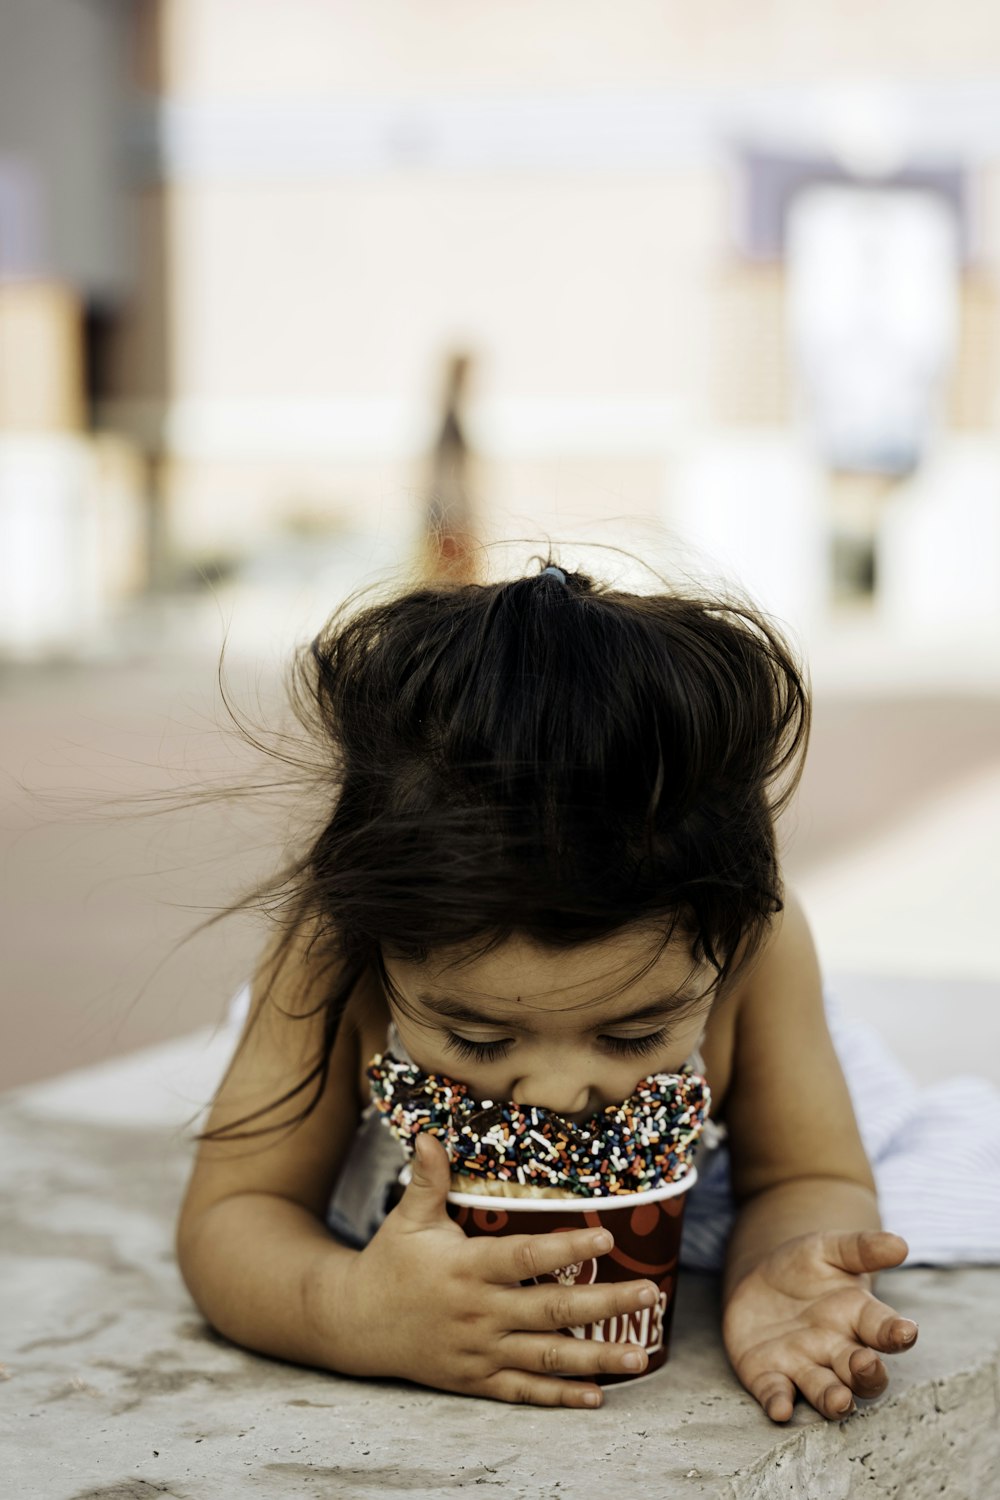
{"points": [[643, 1143]]}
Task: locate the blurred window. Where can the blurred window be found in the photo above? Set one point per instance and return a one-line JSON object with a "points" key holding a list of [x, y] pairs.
{"points": [[20, 219], [872, 300]]}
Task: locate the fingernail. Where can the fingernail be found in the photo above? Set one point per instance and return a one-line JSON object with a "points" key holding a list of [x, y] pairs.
{"points": [[602, 1242], [907, 1331], [591, 1398], [632, 1361], [646, 1297]]}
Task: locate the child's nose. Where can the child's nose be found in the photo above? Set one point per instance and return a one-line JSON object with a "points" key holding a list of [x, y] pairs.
{"points": [[560, 1093]]}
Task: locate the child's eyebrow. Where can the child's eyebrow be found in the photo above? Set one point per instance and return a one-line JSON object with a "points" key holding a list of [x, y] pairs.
{"points": [[457, 1010]]}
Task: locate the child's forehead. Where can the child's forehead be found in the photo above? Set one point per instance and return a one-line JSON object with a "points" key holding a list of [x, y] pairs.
{"points": [[635, 966]]}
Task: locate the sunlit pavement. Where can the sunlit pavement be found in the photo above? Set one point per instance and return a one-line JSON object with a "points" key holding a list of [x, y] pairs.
{"points": [[907, 926]]}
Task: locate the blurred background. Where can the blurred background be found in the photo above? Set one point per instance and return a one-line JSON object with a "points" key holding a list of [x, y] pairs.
{"points": [[298, 296]]}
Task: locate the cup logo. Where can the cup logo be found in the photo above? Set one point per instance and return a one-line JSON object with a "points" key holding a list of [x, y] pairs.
{"points": [[644, 1327], [580, 1273]]}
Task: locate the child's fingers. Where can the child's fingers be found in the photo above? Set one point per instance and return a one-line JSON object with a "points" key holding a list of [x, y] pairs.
{"points": [[547, 1307], [866, 1250], [881, 1327], [423, 1202], [821, 1386], [823, 1389], [776, 1394], [522, 1388], [860, 1369], [557, 1354], [522, 1257]]}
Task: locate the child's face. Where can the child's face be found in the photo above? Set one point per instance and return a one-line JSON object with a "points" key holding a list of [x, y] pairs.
{"points": [[571, 1030]]}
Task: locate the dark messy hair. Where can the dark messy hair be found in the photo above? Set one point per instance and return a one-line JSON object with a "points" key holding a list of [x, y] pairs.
{"points": [[554, 759]]}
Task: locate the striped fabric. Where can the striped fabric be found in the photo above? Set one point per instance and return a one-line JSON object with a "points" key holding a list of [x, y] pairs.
{"points": [[935, 1154]]}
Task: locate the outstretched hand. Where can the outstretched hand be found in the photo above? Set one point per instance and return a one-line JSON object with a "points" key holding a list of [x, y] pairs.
{"points": [[431, 1305], [804, 1319]]}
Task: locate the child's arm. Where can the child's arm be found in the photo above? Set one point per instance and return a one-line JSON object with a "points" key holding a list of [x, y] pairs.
{"points": [[422, 1301], [251, 1242], [799, 1311]]}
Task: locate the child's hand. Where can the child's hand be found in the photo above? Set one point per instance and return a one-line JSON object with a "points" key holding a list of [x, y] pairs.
{"points": [[431, 1305], [803, 1317]]}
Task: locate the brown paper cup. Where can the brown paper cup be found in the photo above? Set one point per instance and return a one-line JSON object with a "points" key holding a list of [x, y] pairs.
{"points": [[647, 1231]]}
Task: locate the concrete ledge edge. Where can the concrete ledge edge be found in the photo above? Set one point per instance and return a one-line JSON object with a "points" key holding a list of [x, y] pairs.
{"points": [[932, 1440]]}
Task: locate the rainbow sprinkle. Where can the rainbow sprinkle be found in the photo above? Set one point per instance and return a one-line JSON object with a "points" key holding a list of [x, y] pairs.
{"points": [[626, 1148]]}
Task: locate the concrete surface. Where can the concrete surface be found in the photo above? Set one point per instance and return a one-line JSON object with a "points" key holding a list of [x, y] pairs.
{"points": [[112, 1388]]}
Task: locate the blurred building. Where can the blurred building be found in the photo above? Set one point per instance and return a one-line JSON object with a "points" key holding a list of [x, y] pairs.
{"points": [[73, 522], [719, 275]]}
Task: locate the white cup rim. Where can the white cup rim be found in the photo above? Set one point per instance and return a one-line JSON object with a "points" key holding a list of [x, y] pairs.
{"points": [[571, 1203]]}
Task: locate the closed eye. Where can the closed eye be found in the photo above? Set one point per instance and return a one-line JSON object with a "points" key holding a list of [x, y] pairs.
{"points": [[636, 1046], [620, 1046], [477, 1051]]}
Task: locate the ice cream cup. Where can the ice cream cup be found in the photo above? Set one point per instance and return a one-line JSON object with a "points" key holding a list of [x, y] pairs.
{"points": [[647, 1231]]}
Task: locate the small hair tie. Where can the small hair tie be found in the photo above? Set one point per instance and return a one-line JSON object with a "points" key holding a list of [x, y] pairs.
{"points": [[556, 573]]}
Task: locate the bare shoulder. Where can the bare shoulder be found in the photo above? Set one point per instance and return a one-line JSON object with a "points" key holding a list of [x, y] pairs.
{"points": [[788, 1108]]}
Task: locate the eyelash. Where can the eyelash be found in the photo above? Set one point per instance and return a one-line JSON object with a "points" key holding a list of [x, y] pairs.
{"points": [[621, 1046], [636, 1046], [477, 1051]]}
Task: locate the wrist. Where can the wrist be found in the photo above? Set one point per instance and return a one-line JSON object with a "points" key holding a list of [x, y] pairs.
{"points": [[333, 1304], [788, 1211], [353, 1302]]}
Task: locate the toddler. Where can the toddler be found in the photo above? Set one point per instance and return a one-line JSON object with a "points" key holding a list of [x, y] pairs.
{"points": [[544, 865]]}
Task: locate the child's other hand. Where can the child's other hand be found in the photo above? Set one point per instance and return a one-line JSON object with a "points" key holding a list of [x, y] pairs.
{"points": [[804, 1318], [431, 1305]]}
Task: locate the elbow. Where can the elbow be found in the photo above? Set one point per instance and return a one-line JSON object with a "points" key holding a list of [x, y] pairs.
{"points": [[185, 1241], [192, 1234]]}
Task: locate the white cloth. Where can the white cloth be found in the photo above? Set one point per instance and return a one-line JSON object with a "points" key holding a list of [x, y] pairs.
{"points": [[934, 1151]]}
